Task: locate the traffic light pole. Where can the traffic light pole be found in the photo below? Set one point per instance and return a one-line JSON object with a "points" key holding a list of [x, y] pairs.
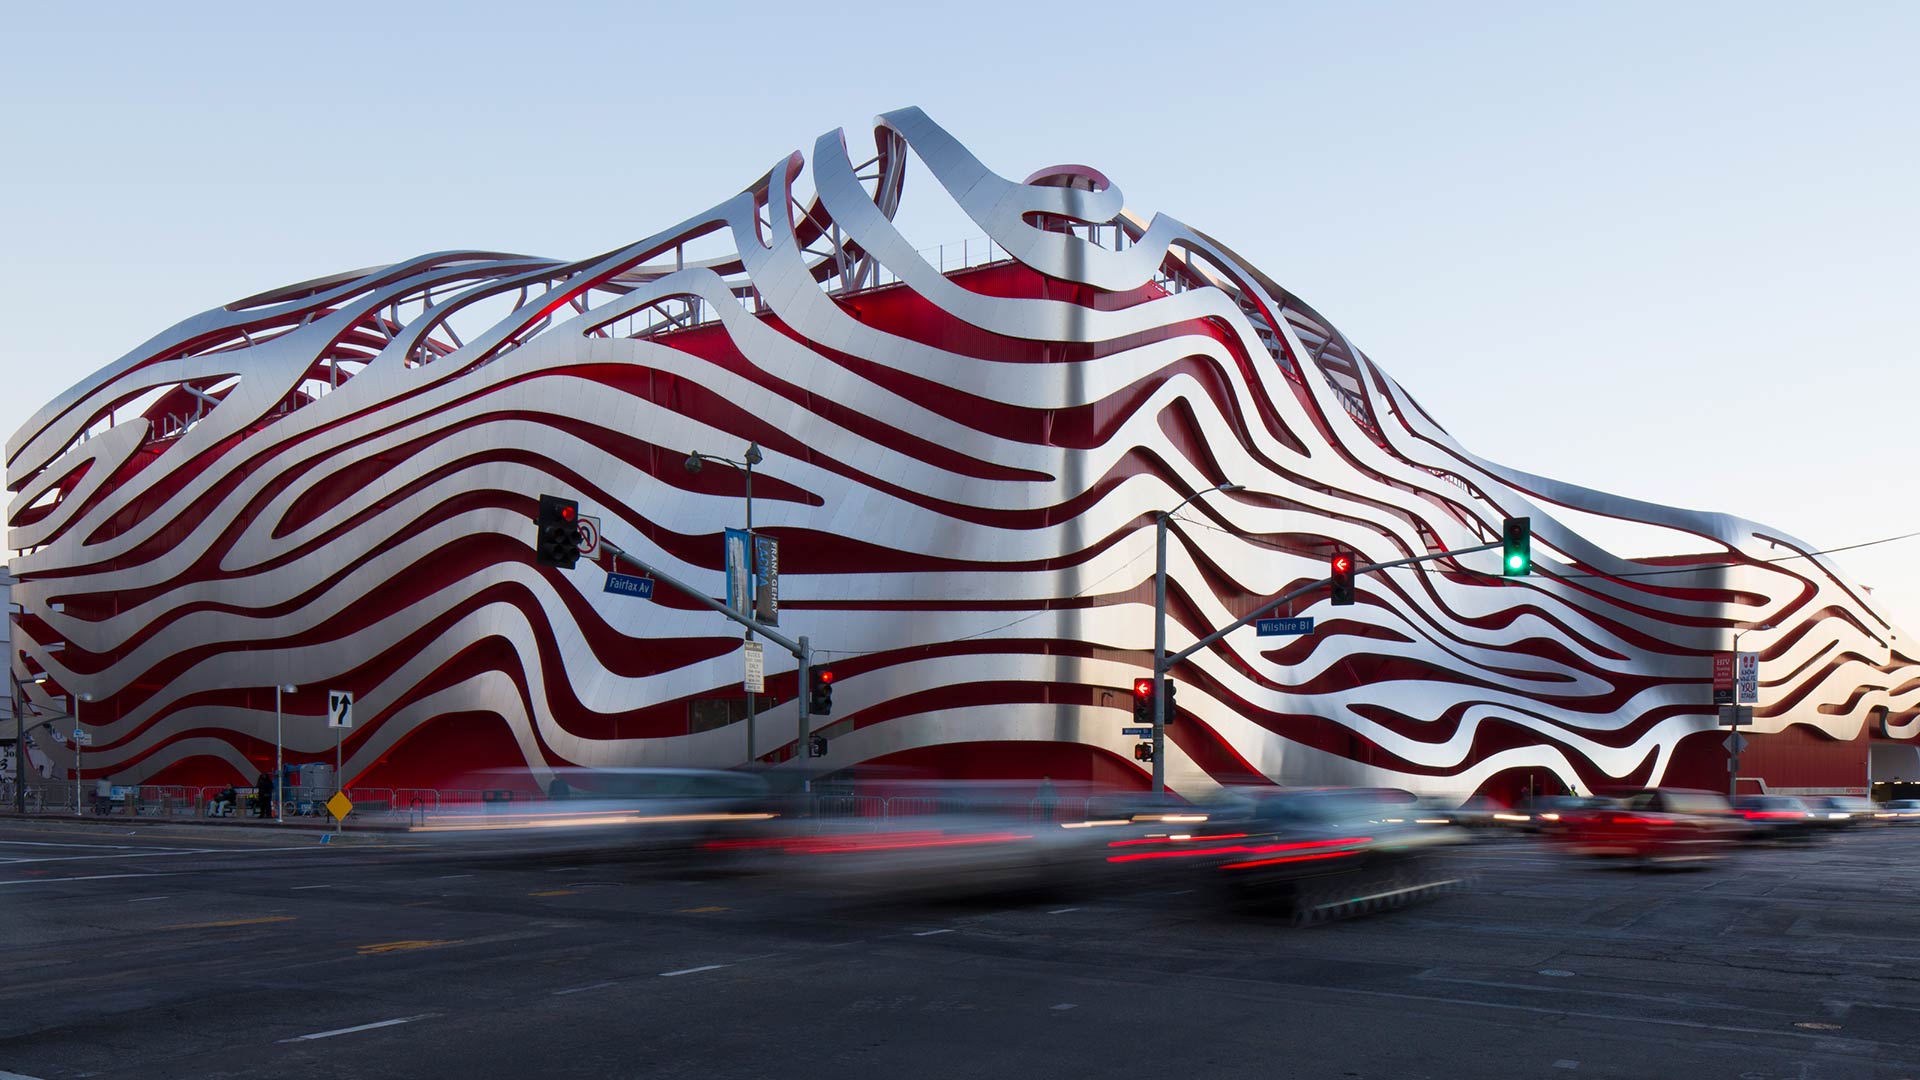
{"points": [[1163, 663], [802, 651]]}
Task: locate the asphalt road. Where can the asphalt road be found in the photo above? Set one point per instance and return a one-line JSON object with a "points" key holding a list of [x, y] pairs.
{"points": [[182, 951]]}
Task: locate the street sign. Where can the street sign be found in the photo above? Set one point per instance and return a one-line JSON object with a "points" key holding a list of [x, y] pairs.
{"points": [[1735, 743], [82, 738], [1747, 678], [630, 585], [339, 806], [1141, 732], [589, 537], [1277, 627], [766, 578], [1735, 715], [756, 680], [340, 708]]}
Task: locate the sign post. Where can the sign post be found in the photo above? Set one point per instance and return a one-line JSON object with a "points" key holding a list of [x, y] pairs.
{"points": [[339, 718]]}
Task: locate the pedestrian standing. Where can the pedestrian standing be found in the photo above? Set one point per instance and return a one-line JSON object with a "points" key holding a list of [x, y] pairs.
{"points": [[264, 796]]}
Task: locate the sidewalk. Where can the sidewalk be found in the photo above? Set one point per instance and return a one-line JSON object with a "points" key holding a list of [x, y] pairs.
{"points": [[308, 826]]}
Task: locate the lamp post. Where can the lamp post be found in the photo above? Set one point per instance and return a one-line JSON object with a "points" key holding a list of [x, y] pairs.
{"points": [[1160, 633], [1733, 770], [752, 457], [76, 750], [279, 755], [20, 738]]}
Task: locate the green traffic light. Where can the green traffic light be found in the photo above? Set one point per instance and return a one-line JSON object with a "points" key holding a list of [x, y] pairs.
{"points": [[1516, 561]]}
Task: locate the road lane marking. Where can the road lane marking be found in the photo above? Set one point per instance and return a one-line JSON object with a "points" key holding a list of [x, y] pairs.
{"points": [[230, 922], [4, 1075], [708, 910], [90, 877], [930, 933], [554, 892], [360, 1027], [298, 888], [450, 877], [1064, 1006], [583, 989], [112, 847], [404, 946], [1566, 1063], [1063, 911], [144, 899], [692, 970]]}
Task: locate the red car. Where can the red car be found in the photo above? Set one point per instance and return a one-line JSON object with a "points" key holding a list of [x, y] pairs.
{"points": [[1659, 825]]}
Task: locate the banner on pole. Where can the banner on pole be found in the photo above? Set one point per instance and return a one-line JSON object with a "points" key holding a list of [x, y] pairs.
{"points": [[1747, 678], [766, 579], [1723, 678], [739, 573]]}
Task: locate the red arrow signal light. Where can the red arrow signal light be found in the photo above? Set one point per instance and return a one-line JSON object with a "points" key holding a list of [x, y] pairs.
{"points": [[1143, 688]]}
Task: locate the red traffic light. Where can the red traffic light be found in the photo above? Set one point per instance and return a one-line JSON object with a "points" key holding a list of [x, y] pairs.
{"points": [[566, 513], [826, 675], [1143, 688], [1342, 564]]}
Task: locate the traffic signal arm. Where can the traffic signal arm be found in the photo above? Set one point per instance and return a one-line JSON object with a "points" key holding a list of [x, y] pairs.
{"points": [[1261, 611]]}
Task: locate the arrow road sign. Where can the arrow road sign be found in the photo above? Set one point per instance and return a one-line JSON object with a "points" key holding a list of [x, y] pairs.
{"points": [[1735, 743], [1141, 732], [340, 708], [630, 585], [1277, 627]]}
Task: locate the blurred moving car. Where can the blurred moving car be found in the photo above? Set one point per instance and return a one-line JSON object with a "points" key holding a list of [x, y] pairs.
{"points": [[1658, 825], [1903, 811], [1840, 811], [1554, 814], [1315, 854], [1775, 817], [1485, 812], [641, 809]]}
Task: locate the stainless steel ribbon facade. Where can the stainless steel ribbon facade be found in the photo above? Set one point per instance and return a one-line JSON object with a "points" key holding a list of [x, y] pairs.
{"points": [[332, 485]]}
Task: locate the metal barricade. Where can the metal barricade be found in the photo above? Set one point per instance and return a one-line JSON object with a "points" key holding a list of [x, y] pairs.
{"points": [[867, 810]]}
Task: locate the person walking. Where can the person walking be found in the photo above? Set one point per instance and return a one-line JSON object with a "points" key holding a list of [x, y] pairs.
{"points": [[1047, 798], [263, 799]]}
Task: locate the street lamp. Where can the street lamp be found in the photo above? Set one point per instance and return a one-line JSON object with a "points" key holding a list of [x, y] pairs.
{"points": [[20, 738], [279, 755], [752, 457], [1733, 744], [76, 750], [1160, 633]]}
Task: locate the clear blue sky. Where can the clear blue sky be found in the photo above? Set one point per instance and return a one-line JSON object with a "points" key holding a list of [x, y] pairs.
{"points": [[1664, 250]]}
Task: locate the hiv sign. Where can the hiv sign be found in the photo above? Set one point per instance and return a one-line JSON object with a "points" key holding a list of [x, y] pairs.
{"points": [[1723, 678]]}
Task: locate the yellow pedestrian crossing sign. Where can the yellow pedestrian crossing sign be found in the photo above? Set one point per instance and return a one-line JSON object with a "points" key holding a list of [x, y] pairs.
{"points": [[339, 806]]}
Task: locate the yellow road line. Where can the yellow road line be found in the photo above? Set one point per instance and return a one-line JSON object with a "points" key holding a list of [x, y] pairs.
{"points": [[701, 910], [230, 922], [403, 946], [555, 892]]}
